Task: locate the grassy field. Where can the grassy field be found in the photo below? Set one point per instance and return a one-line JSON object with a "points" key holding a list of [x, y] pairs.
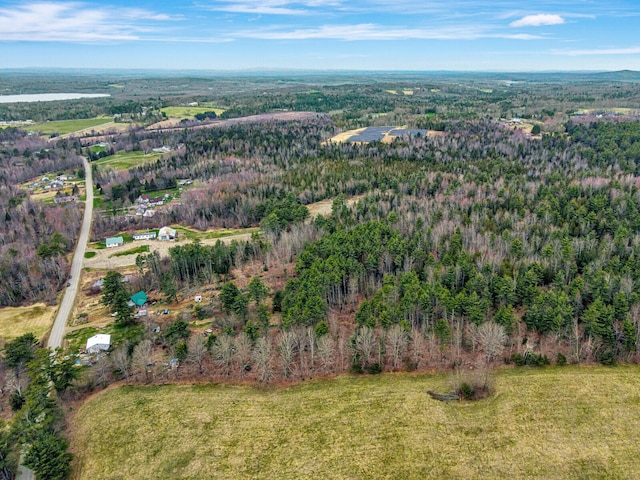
{"points": [[133, 251], [190, 234], [189, 112], [555, 423], [68, 126], [16, 321], [124, 160]]}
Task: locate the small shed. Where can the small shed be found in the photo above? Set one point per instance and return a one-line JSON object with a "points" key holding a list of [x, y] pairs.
{"points": [[98, 343], [114, 241], [198, 298], [139, 299]]}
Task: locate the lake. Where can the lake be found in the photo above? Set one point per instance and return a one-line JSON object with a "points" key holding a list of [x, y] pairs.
{"points": [[49, 97]]}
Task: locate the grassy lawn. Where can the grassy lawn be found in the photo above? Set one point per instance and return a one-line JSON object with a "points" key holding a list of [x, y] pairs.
{"points": [[68, 126], [125, 160], [77, 339], [16, 321], [559, 423], [190, 112], [89, 254], [133, 251]]}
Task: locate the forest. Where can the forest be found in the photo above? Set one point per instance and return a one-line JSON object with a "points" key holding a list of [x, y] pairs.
{"points": [[34, 237], [480, 243], [506, 235]]}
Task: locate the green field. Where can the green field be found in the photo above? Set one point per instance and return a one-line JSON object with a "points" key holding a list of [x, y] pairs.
{"points": [[189, 112], [560, 423], [125, 160], [69, 126]]}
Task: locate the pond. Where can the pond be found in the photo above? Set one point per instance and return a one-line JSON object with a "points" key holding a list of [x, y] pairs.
{"points": [[49, 97]]}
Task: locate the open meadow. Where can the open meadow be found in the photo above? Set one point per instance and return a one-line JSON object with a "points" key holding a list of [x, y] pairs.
{"points": [[124, 160], [562, 422], [190, 112], [16, 321], [69, 126]]}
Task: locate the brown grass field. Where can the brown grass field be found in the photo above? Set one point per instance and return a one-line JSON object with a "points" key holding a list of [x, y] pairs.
{"points": [[553, 423], [16, 321]]}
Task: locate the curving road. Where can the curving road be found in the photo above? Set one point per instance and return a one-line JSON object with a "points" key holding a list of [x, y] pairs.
{"points": [[57, 332]]}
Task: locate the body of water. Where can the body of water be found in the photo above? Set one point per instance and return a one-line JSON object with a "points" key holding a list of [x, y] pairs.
{"points": [[49, 97]]}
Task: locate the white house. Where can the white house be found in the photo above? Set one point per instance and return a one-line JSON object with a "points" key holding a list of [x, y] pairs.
{"points": [[144, 236], [98, 343], [114, 242], [167, 233]]}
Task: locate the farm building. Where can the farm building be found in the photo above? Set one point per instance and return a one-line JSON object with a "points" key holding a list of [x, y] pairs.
{"points": [[139, 299], [167, 233], [144, 236], [114, 242], [98, 343]]}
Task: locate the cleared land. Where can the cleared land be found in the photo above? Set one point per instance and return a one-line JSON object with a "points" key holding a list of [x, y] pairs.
{"points": [[69, 126], [16, 321], [125, 160], [556, 423], [189, 112]]}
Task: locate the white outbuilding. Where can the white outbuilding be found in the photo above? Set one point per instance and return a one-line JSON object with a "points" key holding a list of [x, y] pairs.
{"points": [[167, 233], [98, 343]]}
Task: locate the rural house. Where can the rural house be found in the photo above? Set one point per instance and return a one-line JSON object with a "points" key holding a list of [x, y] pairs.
{"points": [[167, 233], [139, 299], [114, 241], [144, 236], [98, 343]]}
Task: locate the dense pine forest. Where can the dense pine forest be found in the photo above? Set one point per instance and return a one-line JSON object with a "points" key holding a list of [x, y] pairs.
{"points": [[481, 239]]}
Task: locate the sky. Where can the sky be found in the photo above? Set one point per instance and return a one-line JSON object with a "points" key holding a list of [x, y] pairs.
{"points": [[459, 35]]}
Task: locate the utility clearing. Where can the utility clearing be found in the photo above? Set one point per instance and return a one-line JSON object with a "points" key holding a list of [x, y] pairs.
{"points": [[560, 422]]}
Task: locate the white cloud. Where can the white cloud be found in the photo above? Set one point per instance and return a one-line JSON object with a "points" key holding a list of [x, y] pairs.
{"points": [[271, 7], [601, 51], [73, 22], [370, 31], [538, 20]]}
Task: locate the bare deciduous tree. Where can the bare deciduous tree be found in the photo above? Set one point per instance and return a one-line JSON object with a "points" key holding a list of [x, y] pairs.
{"points": [[490, 338], [223, 352], [418, 345], [141, 356], [365, 343], [396, 343], [287, 350], [197, 351], [243, 352], [122, 361], [262, 359], [326, 353]]}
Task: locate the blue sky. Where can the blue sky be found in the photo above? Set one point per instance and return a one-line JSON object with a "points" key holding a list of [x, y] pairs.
{"points": [[497, 35]]}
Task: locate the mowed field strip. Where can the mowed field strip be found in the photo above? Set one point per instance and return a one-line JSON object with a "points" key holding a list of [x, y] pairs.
{"points": [[560, 423]]}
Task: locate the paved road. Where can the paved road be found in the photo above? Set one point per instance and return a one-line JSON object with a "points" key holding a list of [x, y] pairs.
{"points": [[57, 332]]}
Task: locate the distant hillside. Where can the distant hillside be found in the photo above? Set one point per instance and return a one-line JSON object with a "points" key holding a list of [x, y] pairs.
{"points": [[619, 76]]}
